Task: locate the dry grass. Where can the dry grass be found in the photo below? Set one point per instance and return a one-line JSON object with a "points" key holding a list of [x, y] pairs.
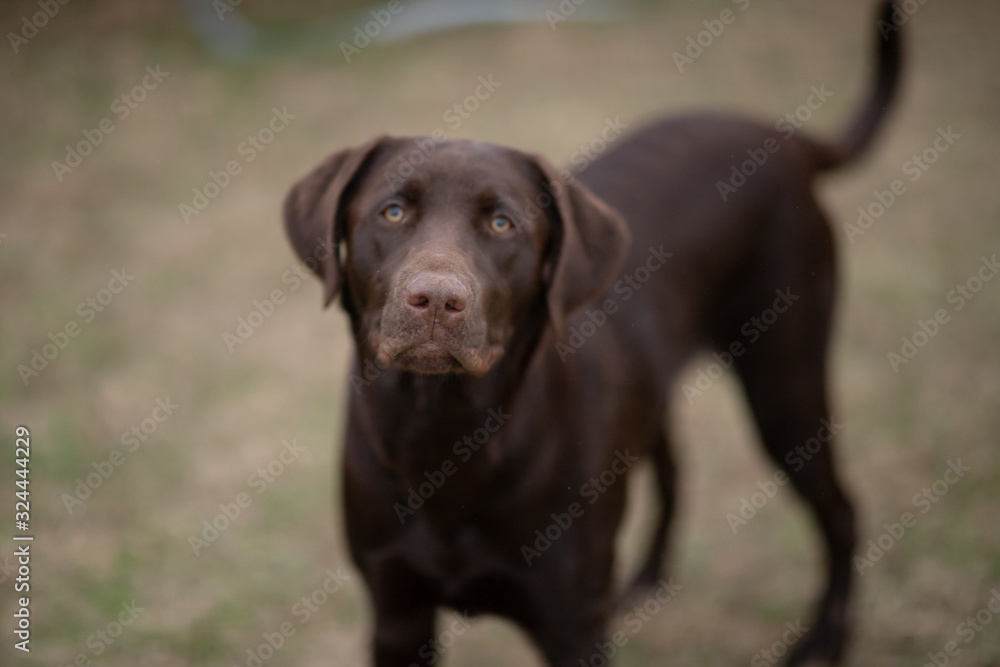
{"points": [[162, 336]]}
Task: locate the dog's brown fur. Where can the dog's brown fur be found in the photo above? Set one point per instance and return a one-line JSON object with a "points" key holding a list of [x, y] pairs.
{"points": [[485, 298]]}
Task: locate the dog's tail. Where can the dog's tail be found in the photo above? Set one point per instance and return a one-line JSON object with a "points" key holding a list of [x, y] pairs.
{"points": [[889, 55]]}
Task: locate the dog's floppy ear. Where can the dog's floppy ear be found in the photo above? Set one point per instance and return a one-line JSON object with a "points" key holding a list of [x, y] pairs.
{"points": [[312, 210], [592, 240]]}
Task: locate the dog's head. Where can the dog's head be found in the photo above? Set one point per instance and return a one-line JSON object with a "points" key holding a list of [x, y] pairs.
{"points": [[442, 249]]}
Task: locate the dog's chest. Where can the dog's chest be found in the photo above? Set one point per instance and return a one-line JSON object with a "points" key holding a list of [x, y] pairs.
{"points": [[472, 575]]}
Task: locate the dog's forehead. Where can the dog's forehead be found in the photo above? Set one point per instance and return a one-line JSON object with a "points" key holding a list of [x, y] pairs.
{"points": [[458, 166]]}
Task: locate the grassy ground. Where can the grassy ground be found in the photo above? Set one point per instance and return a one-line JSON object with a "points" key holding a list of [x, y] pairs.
{"points": [[162, 335]]}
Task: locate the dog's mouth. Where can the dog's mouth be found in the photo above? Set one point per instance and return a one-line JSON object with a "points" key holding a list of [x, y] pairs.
{"points": [[434, 357], [433, 322]]}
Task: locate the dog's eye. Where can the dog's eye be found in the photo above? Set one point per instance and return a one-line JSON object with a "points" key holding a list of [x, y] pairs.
{"points": [[393, 213], [501, 224]]}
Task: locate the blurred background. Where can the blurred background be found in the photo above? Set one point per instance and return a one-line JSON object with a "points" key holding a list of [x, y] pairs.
{"points": [[174, 369]]}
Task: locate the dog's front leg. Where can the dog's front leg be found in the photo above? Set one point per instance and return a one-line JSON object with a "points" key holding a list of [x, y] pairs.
{"points": [[404, 624]]}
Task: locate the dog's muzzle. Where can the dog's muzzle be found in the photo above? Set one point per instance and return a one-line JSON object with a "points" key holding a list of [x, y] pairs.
{"points": [[433, 322]]}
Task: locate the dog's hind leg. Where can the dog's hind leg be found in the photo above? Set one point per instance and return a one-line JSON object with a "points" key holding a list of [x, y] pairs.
{"points": [[784, 375], [790, 408]]}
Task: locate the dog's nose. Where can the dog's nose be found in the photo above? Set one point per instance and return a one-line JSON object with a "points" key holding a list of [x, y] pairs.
{"points": [[437, 295]]}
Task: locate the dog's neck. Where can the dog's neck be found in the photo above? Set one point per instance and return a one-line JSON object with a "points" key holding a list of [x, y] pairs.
{"points": [[442, 409], [449, 420]]}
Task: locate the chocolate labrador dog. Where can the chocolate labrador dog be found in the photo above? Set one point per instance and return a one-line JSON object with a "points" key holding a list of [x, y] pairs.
{"points": [[518, 332]]}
